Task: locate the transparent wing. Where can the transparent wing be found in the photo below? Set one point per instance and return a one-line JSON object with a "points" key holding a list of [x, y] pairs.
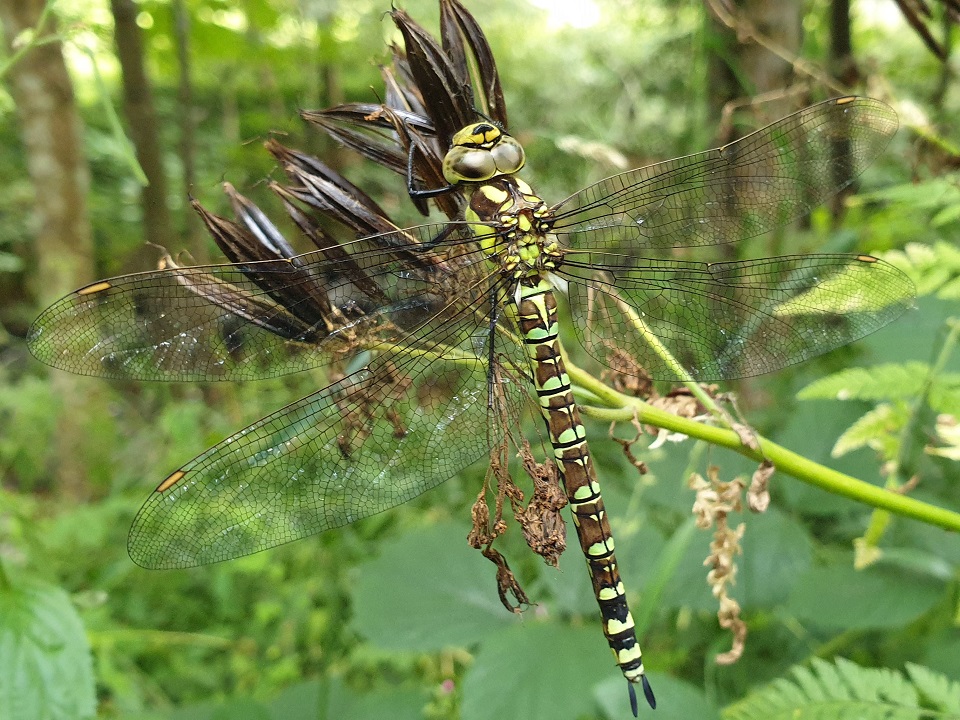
{"points": [[258, 319], [408, 421], [740, 190], [711, 321]]}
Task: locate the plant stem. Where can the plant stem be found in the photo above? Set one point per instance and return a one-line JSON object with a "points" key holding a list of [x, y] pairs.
{"points": [[623, 408]]}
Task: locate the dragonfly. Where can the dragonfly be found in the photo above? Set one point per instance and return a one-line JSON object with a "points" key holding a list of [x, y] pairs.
{"points": [[448, 331]]}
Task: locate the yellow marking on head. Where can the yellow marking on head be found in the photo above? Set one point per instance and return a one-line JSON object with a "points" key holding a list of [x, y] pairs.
{"points": [[171, 481], [476, 134], [95, 288]]}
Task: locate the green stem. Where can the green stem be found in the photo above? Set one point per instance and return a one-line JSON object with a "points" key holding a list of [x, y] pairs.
{"points": [[623, 408], [5, 583], [675, 366]]}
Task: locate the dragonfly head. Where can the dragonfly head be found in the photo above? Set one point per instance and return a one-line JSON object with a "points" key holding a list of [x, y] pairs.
{"points": [[479, 152]]}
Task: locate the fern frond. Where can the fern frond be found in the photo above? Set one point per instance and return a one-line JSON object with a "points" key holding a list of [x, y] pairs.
{"points": [[937, 689], [879, 429], [889, 381], [843, 690]]}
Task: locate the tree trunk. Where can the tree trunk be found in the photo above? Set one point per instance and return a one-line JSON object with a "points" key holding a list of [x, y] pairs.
{"points": [[143, 124], [195, 237], [740, 67], [844, 68], [50, 129], [842, 64], [766, 71]]}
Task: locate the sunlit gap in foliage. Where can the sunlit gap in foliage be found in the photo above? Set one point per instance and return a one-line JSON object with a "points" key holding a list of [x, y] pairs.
{"points": [[579, 14], [880, 14]]}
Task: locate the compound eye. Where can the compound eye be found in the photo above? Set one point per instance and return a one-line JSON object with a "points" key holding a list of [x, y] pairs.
{"points": [[508, 155], [468, 165]]}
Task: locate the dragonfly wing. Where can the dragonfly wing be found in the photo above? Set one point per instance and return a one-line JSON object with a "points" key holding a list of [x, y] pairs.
{"points": [[405, 423], [253, 320], [740, 190], [711, 321]]}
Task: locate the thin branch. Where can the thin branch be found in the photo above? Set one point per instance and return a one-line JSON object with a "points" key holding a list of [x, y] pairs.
{"points": [[921, 29], [746, 31]]}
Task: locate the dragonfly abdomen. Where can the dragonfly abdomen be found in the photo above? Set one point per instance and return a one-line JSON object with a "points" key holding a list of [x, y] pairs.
{"points": [[537, 316]]}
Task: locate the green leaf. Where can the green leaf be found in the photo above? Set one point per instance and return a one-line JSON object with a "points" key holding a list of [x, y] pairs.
{"points": [[428, 591], [837, 597], [889, 381], [950, 290], [45, 667], [676, 700], [776, 551], [942, 652], [932, 193], [929, 267], [539, 671], [328, 699], [944, 396], [346, 704], [878, 429], [842, 690], [241, 709], [946, 216], [938, 690]]}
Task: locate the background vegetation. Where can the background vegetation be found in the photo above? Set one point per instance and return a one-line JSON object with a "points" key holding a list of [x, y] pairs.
{"points": [[395, 616]]}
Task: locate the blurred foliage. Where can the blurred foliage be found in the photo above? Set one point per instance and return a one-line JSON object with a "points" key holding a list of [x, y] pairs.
{"points": [[394, 616]]}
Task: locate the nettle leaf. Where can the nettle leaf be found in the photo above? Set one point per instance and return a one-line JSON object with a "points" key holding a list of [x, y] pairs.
{"points": [[845, 690], [836, 597], [427, 591], [890, 381], [878, 429], [538, 671], [45, 665]]}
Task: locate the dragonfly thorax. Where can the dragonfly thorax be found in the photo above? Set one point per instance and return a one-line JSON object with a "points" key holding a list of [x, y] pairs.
{"points": [[513, 228]]}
